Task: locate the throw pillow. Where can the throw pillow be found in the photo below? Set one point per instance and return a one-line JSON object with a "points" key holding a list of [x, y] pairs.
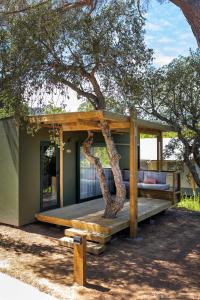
{"points": [[150, 180]]}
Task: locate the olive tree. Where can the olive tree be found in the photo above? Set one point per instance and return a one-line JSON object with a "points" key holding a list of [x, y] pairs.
{"points": [[10, 7], [93, 54], [171, 94]]}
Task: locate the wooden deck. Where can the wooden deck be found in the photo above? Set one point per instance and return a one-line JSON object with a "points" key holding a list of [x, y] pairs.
{"points": [[88, 215]]}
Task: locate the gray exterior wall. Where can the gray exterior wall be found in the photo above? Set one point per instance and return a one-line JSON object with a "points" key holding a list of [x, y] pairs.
{"points": [[29, 175], [20, 170], [9, 171]]}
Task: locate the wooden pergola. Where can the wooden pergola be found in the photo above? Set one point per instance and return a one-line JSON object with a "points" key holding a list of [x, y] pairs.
{"points": [[84, 121]]}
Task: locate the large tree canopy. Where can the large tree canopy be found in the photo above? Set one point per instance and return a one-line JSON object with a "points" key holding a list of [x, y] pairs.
{"points": [[94, 54], [11, 100], [190, 8], [10, 7]]}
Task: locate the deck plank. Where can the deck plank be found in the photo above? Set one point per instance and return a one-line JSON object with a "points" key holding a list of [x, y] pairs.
{"points": [[88, 215]]}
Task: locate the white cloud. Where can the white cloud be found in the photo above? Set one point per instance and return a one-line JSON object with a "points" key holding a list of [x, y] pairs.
{"points": [[183, 35], [152, 26], [150, 38], [157, 25], [165, 23], [161, 60], [165, 40], [174, 50]]}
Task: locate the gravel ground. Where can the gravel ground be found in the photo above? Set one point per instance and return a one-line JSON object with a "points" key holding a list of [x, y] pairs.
{"points": [[162, 263]]}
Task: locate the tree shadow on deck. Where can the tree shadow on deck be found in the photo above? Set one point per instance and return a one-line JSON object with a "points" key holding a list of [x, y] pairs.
{"points": [[165, 260]]}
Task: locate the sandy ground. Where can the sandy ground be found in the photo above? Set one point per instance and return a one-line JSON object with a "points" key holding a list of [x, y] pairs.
{"points": [[162, 263]]}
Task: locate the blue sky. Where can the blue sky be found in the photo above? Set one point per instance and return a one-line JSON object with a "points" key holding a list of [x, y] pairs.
{"points": [[167, 32]]}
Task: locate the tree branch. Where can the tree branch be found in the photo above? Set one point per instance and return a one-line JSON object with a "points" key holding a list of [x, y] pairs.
{"points": [[89, 96], [63, 8]]}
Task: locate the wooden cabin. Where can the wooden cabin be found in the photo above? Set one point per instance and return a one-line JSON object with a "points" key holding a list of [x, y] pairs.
{"points": [[56, 184]]}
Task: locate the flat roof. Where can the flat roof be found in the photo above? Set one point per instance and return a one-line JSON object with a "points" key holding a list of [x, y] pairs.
{"points": [[79, 121]]}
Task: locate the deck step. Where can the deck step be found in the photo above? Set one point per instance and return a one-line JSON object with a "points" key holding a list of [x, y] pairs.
{"points": [[93, 248], [90, 236]]}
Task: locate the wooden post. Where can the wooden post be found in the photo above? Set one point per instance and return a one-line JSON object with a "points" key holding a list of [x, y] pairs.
{"points": [[61, 167], [133, 178], [174, 187], [159, 151], [80, 261]]}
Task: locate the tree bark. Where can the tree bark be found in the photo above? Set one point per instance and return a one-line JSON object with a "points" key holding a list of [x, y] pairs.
{"points": [[191, 10], [113, 203], [64, 7], [196, 151], [189, 163], [95, 161], [191, 166], [113, 207]]}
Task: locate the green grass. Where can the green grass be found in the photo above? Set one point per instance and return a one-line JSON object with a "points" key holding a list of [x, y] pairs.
{"points": [[190, 203]]}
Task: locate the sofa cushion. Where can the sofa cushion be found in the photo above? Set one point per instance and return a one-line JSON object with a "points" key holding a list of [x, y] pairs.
{"points": [[126, 175], [150, 180], [140, 176], [159, 176], [158, 186], [126, 183]]}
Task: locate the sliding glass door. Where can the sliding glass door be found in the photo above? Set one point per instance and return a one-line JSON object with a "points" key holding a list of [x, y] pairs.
{"points": [[89, 187], [49, 176]]}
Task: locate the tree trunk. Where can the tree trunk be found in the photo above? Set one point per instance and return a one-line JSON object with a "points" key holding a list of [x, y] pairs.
{"points": [[113, 207], [113, 204], [189, 163], [196, 150], [191, 10], [95, 161], [192, 168]]}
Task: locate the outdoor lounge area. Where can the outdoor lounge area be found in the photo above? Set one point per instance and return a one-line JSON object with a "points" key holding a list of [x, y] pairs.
{"points": [[100, 150], [148, 192], [58, 185], [155, 184]]}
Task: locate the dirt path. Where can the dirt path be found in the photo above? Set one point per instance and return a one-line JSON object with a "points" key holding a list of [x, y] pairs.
{"points": [[162, 263]]}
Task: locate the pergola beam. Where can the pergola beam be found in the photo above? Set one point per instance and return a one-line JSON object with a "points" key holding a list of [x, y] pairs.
{"points": [[92, 125], [66, 117], [116, 121], [61, 166], [115, 117], [154, 126], [133, 179]]}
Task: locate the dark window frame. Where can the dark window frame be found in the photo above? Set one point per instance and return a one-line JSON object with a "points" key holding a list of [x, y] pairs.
{"points": [[43, 144], [78, 198]]}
